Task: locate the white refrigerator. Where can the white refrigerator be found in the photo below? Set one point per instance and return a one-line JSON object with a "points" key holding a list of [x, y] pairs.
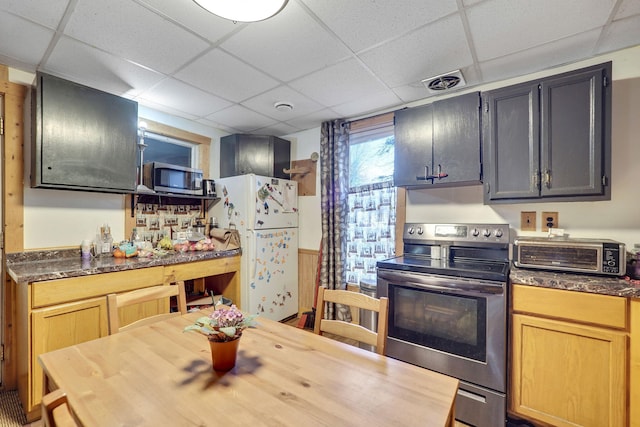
{"points": [[265, 212]]}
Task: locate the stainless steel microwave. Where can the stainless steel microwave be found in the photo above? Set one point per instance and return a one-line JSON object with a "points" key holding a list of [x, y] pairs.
{"points": [[595, 256], [168, 178]]}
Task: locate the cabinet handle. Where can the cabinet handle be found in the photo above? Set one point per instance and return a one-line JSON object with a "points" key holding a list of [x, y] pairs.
{"points": [[536, 179], [426, 175], [547, 178]]}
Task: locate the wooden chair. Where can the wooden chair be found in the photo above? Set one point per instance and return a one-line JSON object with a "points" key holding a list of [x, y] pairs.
{"points": [[56, 411], [352, 330], [154, 293]]}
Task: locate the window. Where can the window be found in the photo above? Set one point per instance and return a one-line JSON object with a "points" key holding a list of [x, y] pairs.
{"points": [[164, 149], [372, 197], [176, 146]]}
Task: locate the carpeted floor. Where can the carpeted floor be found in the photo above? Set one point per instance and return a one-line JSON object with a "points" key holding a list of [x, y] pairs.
{"points": [[11, 413]]}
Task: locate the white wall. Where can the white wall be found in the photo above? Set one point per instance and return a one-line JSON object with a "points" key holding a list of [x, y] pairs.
{"points": [[309, 219]]}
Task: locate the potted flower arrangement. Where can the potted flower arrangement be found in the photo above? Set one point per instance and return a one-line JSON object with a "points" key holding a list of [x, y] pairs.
{"points": [[223, 328]]}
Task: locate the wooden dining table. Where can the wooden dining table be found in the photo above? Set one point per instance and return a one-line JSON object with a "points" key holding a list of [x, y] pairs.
{"points": [[158, 375]]}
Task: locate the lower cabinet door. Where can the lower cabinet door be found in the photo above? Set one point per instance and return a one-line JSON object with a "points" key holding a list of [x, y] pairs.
{"points": [[566, 374], [61, 326]]}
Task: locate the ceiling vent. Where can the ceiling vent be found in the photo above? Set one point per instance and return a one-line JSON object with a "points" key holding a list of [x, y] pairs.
{"points": [[444, 82]]}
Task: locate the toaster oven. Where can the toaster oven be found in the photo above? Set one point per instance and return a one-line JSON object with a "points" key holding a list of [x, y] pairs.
{"points": [[594, 256]]}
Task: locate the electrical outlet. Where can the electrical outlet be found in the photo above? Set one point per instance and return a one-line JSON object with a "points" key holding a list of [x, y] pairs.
{"points": [[528, 221], [549, 220]]}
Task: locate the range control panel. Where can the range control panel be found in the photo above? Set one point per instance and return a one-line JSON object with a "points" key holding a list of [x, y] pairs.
{"points": [[456, 233]]}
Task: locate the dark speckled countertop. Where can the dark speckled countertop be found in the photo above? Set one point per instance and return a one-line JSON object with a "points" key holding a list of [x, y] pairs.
{"points": [[604, 285], [36, 266]]}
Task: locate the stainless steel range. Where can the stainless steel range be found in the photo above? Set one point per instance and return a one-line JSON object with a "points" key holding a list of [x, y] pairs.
{"points": [[448, 310]]}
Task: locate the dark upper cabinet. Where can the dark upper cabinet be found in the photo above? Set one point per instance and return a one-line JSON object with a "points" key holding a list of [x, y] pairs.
{"points": [[549, 139], [265, 155], [439, 144], [413, 158], [83, 138]]}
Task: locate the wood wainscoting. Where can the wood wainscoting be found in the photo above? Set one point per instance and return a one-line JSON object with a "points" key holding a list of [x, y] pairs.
{"points": [[307, 271]]}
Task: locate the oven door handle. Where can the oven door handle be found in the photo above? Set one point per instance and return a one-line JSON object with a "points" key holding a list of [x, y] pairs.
{"points": [[440, 283]]}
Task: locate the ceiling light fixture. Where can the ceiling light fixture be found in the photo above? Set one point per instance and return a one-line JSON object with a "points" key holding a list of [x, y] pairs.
{"points": [[243, 10], [283, 106]]}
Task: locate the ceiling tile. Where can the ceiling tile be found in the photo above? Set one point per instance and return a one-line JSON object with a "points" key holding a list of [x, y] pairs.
{"points": [[314, 119], [34, 40], [540, 58], [265, 102], [217, 125], [279, 128], [364, 23], [494, 24], [241, 118], [628, 8], [338, 84], [330, 58], [47, 13], [432, 50], [130, 31], [91, 67], [190, 15], [182, 97], [374, 101], [148, 104], [286, 46], [621, 33], [223, 75]]}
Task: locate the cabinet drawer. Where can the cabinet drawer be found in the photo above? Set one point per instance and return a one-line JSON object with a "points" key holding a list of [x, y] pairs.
{"points": [[194, 270], [603, 310], [78, 288]]}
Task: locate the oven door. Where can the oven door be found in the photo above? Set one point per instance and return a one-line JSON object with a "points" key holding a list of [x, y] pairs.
{"points": [[452, 325]]}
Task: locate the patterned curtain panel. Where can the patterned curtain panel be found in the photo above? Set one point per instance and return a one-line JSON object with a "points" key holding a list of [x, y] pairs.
{"points": [[371, 237], [334, 153]]}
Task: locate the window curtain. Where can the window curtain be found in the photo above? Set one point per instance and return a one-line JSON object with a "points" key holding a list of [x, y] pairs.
{"points": [[334, 169]]}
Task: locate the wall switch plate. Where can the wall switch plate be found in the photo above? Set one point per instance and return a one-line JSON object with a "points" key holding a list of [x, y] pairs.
{"points": [[528, 221], [549, 220]]}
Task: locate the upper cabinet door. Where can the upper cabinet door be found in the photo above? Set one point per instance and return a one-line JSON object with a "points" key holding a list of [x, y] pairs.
{"points": [[572, 136], [439, 144], [549, 140], [511, 142], [456, 140], [413, 159]]}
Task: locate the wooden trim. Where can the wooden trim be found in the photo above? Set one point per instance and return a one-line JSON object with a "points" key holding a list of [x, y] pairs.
{"points": [[170, 131], [13, 96], [371, 122], [203, 141], [13, 167], [307, 267]]}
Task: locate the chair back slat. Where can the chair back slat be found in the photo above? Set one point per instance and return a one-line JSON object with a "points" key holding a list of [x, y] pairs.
{"points": [[139, 296], [352, 330]]}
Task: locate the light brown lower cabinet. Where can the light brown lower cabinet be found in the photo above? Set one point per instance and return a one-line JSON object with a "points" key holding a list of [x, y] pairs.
{"points": [[58, 313], [569, 357], [63, 325]]}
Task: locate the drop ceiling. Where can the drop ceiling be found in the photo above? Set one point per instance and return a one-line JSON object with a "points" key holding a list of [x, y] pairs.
{"points": [[327, 58]]}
